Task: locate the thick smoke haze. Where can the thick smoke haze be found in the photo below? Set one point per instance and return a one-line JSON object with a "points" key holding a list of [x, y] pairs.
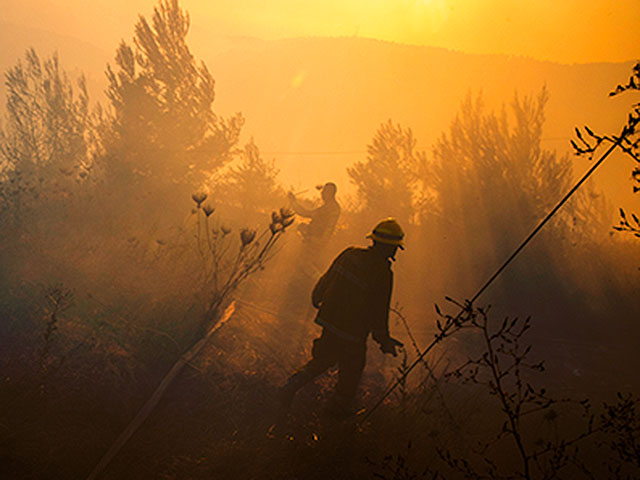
{"points": [[166, 210]]}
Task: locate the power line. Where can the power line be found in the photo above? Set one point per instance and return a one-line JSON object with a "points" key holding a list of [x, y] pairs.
{"points": [[361, 152], [345, 152], [625, 131]]}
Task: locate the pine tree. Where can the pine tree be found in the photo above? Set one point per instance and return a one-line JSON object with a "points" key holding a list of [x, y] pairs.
{"points": [[46, 138], [163, 122], [388, 182], [250, 184]]}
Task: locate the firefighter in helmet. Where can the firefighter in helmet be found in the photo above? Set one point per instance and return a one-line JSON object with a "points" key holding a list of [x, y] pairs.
{"points": [[353, 299]]}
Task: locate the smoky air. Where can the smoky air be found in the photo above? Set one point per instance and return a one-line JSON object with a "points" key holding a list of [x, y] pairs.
{"points": [[313, 257]]}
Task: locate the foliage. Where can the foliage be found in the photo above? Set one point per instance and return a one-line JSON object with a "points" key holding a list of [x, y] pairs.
{"points": [[628, 225], [222, 271], [163, 122], [388, 181], [492, 182], [589, 143], [46, 139], [250, 183], [491, 168], [530, 434], [621, 424], [398, 467], [59, 300], [501, 370], [134, 303]]}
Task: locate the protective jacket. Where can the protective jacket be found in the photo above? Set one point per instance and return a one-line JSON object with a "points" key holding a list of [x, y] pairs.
{"points": [[354, 295], [323, 222]]}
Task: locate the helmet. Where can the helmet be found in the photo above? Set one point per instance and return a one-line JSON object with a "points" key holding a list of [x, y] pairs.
{"points": [[388, 231]]}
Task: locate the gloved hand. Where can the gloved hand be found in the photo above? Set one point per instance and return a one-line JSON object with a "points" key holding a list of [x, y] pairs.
{"points": [[389, 346]]}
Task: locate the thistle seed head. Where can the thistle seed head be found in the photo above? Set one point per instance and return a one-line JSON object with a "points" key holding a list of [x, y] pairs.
{"points": [[286, 222], [208, 209], [275, 228], [286, 213], [246, 236], [199, 197]]}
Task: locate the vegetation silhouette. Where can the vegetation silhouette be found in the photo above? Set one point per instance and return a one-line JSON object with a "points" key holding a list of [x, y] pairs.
{"points": [[128, 228], [588, 143], [48, 138]]}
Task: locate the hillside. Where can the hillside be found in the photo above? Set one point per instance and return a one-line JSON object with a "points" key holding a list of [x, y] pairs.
{"points": [[330, 95], [75, 55], [314, 103]]}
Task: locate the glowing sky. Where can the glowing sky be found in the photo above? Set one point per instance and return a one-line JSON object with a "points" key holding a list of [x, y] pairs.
{"points": [[564, 31]]}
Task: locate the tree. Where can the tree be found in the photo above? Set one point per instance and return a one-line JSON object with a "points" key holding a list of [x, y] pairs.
{"points": [[388, 183], [493, 182], [163, 122], [46, 141], [498, 160], [250, 184]]}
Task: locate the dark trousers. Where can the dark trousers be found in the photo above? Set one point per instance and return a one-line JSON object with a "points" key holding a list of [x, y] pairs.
{"points": [[327, 351]]}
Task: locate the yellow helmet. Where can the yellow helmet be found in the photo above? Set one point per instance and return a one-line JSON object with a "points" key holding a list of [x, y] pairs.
{"points": [[388, 231]]}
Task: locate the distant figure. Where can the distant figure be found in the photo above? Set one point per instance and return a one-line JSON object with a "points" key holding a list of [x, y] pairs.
{"points": [[353, 299], [323, 219]]}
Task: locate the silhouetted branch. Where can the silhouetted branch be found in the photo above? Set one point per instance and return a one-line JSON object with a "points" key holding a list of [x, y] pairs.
{"points": [[501, 369]]}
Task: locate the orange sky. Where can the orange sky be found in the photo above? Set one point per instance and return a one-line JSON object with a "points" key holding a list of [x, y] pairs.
{"points": [[564, 31]]}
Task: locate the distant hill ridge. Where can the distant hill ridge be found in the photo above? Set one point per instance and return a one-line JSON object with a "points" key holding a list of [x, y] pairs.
{"points": [[330, 94], [323, 98]]}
